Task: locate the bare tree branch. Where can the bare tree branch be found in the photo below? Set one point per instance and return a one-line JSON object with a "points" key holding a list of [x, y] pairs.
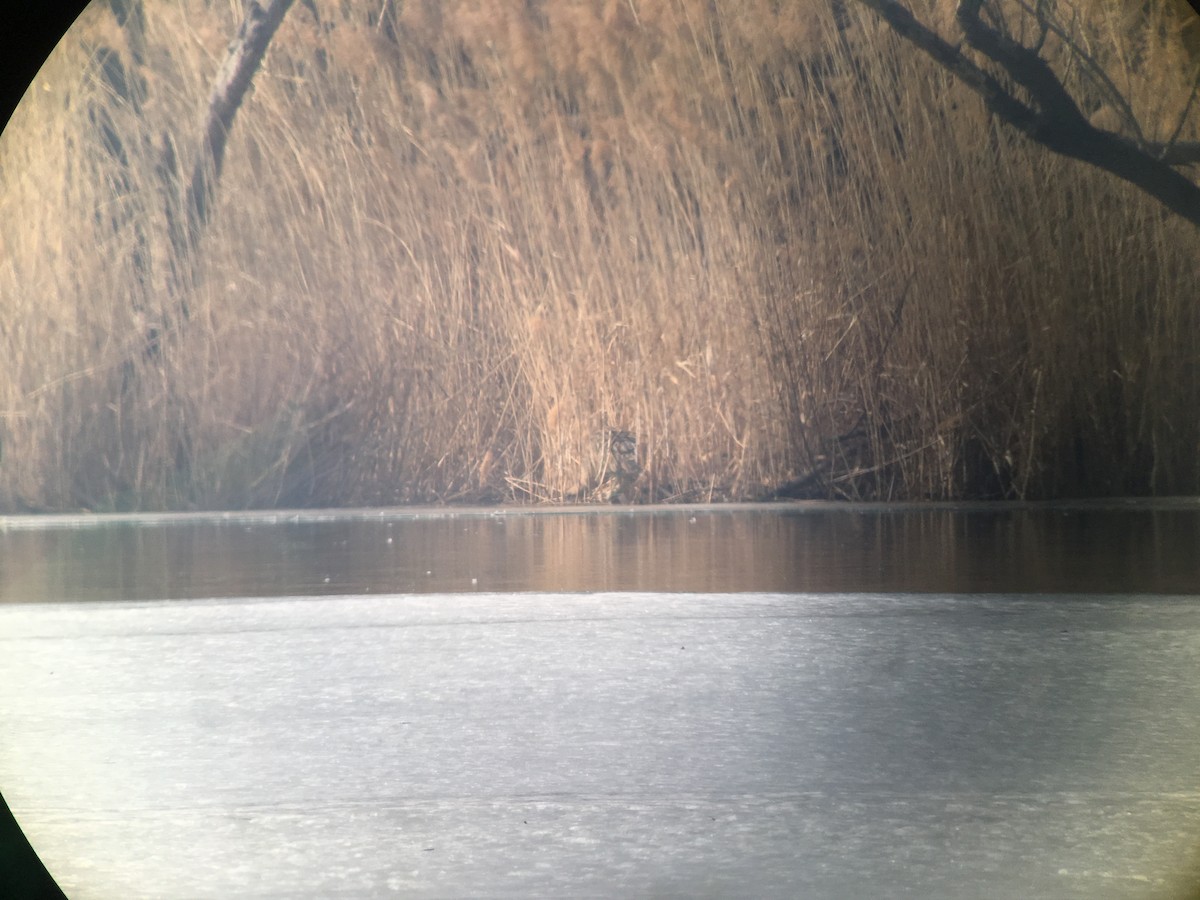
{"points": [[948, 56], [1185, 154], [232, 81], [1109, 91], [1051, 116]]}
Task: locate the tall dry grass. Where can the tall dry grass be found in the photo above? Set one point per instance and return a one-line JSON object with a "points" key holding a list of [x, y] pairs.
{"points": [[455, 240]]}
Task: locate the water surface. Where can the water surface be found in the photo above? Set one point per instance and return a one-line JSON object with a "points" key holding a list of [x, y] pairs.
{"points": [[795, 700], [1080, 548]]}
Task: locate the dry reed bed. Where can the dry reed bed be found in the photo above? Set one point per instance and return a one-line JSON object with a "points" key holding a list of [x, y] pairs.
{"points": [[454, 241]]}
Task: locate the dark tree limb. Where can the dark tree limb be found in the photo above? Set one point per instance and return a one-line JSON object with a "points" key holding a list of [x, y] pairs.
{"points": [[1173, 154], [233, 79], [1099, 78], [1049, 115], [949, 57]]}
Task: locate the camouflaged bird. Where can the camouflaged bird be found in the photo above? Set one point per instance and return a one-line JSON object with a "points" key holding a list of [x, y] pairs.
{"points": [[613, 468]]}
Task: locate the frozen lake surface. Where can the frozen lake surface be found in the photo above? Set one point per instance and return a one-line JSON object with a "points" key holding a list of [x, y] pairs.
{"points": [[619, 744]]}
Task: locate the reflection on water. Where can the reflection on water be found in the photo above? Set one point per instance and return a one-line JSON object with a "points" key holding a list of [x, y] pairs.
{"points": [[766, 548]]}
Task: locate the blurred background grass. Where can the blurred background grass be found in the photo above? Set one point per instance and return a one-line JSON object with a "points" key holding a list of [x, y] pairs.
{"points": [[454, 240]]}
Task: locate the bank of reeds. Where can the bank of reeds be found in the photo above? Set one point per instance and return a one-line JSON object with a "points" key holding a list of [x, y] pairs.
{"points": [[455, 240]]}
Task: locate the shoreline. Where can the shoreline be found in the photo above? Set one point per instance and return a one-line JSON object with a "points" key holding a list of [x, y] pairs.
{"points": [[33, 521]]}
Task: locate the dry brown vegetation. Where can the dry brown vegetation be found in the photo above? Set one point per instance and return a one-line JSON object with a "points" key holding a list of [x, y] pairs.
{"points": [[455, 240]]}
